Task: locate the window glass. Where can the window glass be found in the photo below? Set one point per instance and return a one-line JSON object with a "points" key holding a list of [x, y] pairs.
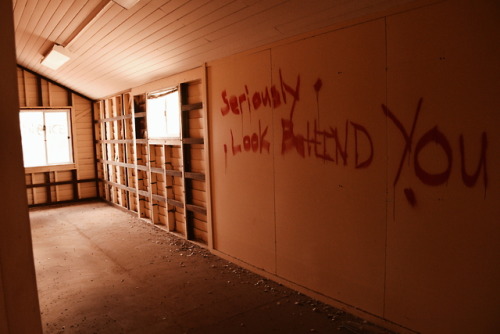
{"points": [[163, 114], [33, 138], [157, 118], [173, 115], [58, 139], [46, 137]]}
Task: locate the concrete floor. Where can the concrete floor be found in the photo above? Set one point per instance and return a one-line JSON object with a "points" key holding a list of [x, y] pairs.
{"points": [[102, 270]]}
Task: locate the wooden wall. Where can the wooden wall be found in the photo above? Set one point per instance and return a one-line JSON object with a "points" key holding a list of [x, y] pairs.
{"points": [[163, 180], [56, 184], [360, 163], [19, 306]]}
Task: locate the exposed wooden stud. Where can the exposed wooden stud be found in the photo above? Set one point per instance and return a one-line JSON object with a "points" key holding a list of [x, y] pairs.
{"points": [[58, 183], [196, 208], [64, 202], [39, 91], [192, 106], [27, 70], [163, 180], [189, 141], [32, 189], [54, 184], [194, 176], [25, 89], [76, 193], [48, 190]]}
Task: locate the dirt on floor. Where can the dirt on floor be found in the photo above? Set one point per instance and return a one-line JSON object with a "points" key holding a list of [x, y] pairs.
{"points": [[102, 270]]}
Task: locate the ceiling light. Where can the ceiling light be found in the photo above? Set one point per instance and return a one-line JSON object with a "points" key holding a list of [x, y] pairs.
{"points": [[56, 57], [127, 4]]}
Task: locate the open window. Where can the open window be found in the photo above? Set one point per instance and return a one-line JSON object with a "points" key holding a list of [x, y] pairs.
{"points": [[46, 137], [163, 114]]}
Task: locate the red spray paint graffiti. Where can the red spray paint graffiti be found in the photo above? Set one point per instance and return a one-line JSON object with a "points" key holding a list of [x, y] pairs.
{"points": [[326, 144], [247, 102], [330, 143], [436, 136], [321, 143]]}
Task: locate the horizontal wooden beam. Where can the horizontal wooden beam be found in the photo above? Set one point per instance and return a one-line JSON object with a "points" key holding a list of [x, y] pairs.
{"points": [[58, 183], [66, 202], [111, 119], [192, 141], [196, 208], [120, 186], [193, 106], [115, 141], [194, 176]]}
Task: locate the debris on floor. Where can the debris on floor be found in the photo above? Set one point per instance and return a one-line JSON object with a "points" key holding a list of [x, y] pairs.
{"points": [[101, 270]]}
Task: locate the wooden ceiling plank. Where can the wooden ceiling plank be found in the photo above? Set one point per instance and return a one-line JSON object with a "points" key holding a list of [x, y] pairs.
{"points": [[315, 18], [126, 48], [176, 10], [18, 12], [189, 7], [40, 46], [207, 53], [53, 29], [141, 60], [119, 62], [70, 17], [37, 29], [140, 22], [223, 23], [143, 27], [144, 49], [24, 20], [143, 18], [79, 16], [165, 23], [172, 6], [91, 33], [86, 41]]}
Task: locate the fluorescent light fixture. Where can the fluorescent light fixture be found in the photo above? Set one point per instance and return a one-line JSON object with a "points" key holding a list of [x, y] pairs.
{"points": [[127, 4], [56, 57]]}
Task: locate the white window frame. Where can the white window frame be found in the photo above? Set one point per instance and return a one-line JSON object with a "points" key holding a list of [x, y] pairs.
{"points": [[150, 118], [49, 166]]}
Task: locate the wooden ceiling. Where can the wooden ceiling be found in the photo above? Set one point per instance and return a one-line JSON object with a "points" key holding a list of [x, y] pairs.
{"points": [[114, 49]]}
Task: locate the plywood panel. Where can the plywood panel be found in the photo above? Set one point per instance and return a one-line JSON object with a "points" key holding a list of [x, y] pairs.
{"points": [[242, 180], [21, 87], [65, 192], [58, 95], [442, 251], [329, 143], [31, 89]]}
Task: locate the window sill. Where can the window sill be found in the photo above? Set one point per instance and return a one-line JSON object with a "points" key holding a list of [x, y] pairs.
{"points": [[54, 168]]}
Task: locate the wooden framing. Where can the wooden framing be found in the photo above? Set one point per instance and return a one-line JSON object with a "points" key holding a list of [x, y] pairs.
{"points": [[162, 180], [61, 183]]}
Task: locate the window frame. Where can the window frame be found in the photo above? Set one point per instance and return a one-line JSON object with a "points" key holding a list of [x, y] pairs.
{"points": [[55, 166], [161, 93]]}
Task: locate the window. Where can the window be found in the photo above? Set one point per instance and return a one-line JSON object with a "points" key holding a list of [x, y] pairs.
{"points": [[164, 114], [46, 137]]}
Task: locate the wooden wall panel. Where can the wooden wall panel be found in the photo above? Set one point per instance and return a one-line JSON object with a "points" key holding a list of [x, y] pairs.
{"points": [[380, 191], [36, 91], [31, 91], [242, 177], [58, 95], [335, 92], [442, 263], [19, 304], [22, 88]]}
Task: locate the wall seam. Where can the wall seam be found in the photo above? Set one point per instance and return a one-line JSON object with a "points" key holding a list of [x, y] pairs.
{"points": [[386, 173], [274, 174]]}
